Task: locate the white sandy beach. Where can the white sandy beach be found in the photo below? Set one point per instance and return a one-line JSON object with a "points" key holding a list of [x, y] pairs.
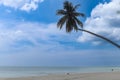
{"points": [[73, 76]]}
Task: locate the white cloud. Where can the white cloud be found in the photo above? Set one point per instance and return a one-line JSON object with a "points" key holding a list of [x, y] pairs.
{"points": [[25, 5], [24, 35], [104, 20], [46, 49]]}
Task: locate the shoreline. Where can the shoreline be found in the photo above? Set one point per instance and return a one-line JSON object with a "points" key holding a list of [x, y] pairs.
{"points": [[73, 76]]}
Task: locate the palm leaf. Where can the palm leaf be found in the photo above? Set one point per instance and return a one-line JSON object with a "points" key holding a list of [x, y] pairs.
{"points": [[78, 14], [79, 22], [76, 6], [61, 12], [68, 6], [61, 22], [75, 25]]}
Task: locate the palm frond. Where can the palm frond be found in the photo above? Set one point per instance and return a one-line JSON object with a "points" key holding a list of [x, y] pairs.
{"points": [[61, 22], [78, 14], [60, 12], [79, 22], [75, 25], [68, 6], [76, 6]]}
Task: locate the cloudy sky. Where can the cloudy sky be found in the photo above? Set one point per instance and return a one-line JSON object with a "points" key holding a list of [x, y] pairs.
{"points": [[29, 36]]}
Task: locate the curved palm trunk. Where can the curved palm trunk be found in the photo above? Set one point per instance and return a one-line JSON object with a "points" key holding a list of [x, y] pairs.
{"points": [[106, 39]]}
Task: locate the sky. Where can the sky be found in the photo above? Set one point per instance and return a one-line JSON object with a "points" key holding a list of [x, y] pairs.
{"points": [[29, 35]]}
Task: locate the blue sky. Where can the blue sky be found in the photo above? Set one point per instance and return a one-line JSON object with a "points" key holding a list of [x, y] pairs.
{"points": [[29, 36]]}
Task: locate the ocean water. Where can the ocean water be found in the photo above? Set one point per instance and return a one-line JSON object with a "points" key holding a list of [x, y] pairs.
{"points": [[40, 71]]}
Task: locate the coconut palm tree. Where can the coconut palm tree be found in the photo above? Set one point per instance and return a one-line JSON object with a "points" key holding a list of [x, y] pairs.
{"points": [[69, 18]]}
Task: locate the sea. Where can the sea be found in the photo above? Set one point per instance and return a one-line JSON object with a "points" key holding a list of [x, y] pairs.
{"points": [[13, 72]]}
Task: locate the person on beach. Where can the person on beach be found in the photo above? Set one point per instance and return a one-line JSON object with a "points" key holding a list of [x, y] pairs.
{"points": [[68, 73]]}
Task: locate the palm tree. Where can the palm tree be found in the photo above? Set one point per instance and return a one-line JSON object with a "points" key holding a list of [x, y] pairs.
{"points": [[69, 17]]}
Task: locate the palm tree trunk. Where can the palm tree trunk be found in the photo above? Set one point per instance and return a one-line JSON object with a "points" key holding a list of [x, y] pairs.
{"points": [[104, 38]]}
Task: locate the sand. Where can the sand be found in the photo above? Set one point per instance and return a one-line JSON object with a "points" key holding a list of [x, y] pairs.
{"points": [[73, 76]]}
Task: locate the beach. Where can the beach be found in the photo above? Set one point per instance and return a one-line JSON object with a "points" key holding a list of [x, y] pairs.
{"points": [[59, 73], [73, 76]]}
